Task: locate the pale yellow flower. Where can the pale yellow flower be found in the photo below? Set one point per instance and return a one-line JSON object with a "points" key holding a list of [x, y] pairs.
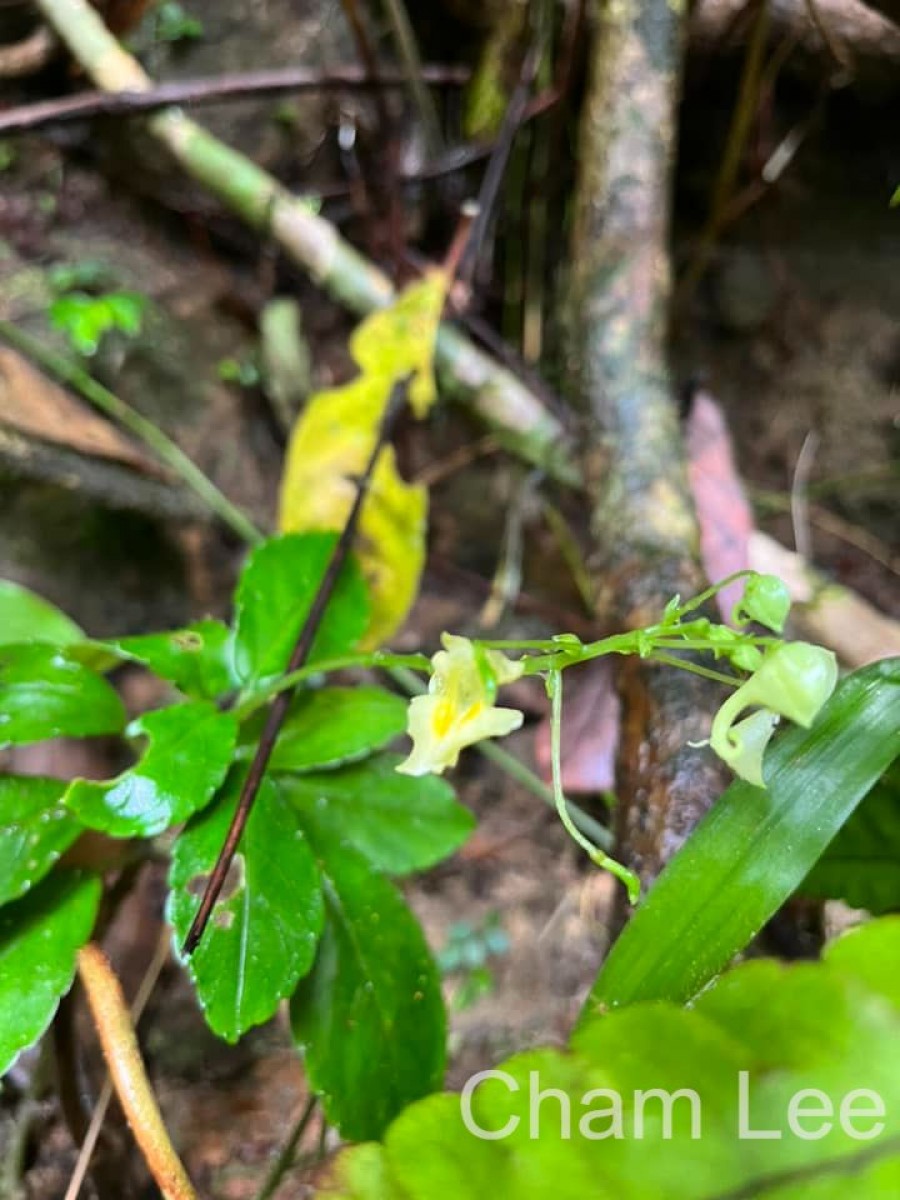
{"points": [[459, 707]]}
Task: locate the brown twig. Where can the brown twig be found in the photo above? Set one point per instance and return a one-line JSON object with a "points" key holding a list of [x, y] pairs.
{"points": [[92, 1135], [382, 184], [123, 1057], [493, 177], [215, 90], [281, 703]]}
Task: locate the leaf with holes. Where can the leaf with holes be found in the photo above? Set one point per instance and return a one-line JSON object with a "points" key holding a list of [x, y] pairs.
{"points": [[197, 659], [261, 938], [35, 829], [39, 938], [370, 1018], [190, 751], [43, 694], [330, 727], [27, 617], [399, 823], [274, 595]]}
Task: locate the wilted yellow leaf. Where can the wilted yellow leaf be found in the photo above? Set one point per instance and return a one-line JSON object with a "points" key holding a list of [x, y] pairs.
{"points": [[333, 439], [398, 340]]}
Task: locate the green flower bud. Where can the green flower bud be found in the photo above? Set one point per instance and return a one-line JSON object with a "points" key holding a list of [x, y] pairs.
{"points": [[765, 600]]}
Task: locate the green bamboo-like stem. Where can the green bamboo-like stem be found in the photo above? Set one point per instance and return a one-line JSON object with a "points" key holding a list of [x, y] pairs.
{"points": [[493, 393], [129, 418]]}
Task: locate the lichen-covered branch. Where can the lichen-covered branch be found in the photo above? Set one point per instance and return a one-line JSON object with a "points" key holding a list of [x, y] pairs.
{"points": [[645, 531], [493, 393]]}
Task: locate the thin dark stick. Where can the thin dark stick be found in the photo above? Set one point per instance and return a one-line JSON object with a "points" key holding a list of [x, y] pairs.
{"points": [[493, 177], [214, 90], [281, 703], [387, 161]]}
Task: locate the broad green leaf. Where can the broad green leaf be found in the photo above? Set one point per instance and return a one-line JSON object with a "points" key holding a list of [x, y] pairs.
{"points": [[35, 830], [329, 727], [274, 595], [26, 617], [755, 847], [862, 864], [870, 953], [262, 936], [334, 438], [189, 753], [370, 1018], [659, 1106], [43, 695], [196, 659], [400, 824], [39, 938]]}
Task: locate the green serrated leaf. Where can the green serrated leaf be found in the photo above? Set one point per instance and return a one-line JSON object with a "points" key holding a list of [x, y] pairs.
{"points": [[43, 694], [39, 938], [262, 936], [400, 824], [35, 830], [329, 727], [755, 847], [84, 319], [27, 617], [273, 598], [370, 1018], [656, 1101], [196, 659], [862, 865], [190, 751]]}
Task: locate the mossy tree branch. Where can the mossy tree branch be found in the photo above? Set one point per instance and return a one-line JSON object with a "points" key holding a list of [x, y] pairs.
{"points": [[646, 541]]}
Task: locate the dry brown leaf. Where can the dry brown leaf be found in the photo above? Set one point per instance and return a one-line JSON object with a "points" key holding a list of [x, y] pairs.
{"points": [[32, 404]]}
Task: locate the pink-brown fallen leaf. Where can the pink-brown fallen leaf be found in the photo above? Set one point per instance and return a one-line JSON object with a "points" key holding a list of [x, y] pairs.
{"points": [[33, 404], [723, 512], [590, 731]]}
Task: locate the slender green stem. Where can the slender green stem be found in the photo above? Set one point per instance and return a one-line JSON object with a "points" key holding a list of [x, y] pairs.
{"points": [[746, 639], [377, 658], [596, 855], [670, 660], [599, 834], [287, 1154], [412, 62], [126, 416], [713, 590]]}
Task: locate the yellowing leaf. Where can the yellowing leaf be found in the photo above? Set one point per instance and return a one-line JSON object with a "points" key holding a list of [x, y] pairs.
{"points": [[398, 340], [333, 439]]}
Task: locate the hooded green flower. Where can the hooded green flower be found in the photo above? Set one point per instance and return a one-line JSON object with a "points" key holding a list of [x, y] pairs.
{"points": [[794, 680]]}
